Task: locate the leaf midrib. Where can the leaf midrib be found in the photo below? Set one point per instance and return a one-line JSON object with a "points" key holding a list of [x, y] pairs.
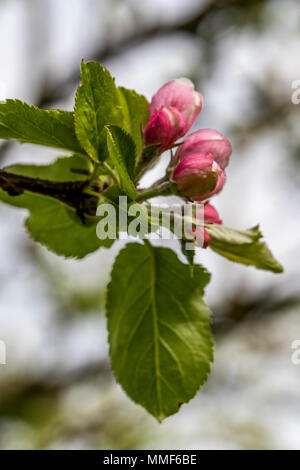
{"points": [[160, 414]]}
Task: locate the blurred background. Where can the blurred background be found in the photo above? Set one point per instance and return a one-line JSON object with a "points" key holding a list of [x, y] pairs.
{"points": [[57, 390]]}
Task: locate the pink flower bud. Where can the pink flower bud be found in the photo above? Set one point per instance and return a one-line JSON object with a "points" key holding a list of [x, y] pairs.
{"points": [[197, 175], [202, 238], [164, 127], [207, 239], [211, 215], [206, 140], [179, 95], [219, 186]]}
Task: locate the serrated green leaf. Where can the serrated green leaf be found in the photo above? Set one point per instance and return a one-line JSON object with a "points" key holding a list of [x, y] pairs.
{"points": [[29, 124], [243, 247], [55, 226], [122, 153], [135, 113], [125, 160], [52, 222], [97, 105], [160, 340]]}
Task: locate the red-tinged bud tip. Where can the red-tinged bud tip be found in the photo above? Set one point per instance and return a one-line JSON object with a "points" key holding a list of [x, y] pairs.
{"points": [[164, 127]]}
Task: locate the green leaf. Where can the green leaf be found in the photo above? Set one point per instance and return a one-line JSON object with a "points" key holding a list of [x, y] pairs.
{"points": [[63, 169], [55, 226], [26, 123], [122, 153], [243, 247], [97, 105], [112, 195], [235, 237], [189, 255], [135, 112], [52, 222], [61, 231], [124, 160], [159, 334]]}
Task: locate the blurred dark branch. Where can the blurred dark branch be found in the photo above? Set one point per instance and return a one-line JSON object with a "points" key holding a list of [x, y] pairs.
{"points": [[14, 390], [52, 92], [272, 110], [56, 91], [270, 120], [240, 310]]}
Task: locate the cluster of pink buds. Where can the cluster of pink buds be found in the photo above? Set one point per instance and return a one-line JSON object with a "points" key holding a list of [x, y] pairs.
{"points": [[203, 156]]}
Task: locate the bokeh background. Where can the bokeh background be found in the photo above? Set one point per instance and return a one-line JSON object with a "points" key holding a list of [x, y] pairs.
{"points": [[57, 390]]}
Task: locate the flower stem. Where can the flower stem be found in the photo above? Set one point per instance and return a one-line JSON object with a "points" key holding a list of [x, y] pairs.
{"points": [[159, 189], [92, 193]]}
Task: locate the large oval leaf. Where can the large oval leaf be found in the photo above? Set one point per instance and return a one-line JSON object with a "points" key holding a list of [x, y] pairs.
{"points": [[159, 334]]}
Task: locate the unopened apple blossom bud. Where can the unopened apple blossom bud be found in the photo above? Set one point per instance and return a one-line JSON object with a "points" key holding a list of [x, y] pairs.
{"points": [[197, 176], [164, 127], [200, 237], [206, 140], [210, 215], [219, 186], [175, 107]]}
